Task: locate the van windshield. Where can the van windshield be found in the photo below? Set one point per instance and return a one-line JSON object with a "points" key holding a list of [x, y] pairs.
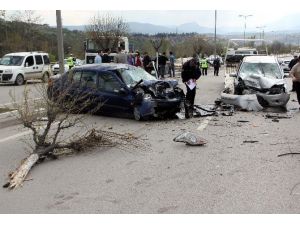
{"points": [[12, 60]]}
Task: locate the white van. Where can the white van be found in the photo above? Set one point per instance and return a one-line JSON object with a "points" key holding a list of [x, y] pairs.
{"points": [[16, 68]]}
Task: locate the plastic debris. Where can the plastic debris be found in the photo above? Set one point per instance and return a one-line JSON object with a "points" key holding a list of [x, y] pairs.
{"points": [[190, 139]]}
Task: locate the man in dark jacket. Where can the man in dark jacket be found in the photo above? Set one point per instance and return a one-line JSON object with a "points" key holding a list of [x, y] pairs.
{"points": [[292, 63], [162, 61], [190, 74], [147, 62], [106, 58], [216, 64]]}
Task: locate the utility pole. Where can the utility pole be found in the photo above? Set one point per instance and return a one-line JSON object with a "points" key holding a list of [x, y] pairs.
{"points": [[245, 18], [60, 42], [215, 51]]}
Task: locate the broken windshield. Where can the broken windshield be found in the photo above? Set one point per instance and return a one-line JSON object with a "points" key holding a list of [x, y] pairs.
{"points": [[133, 75], [261, 69], [12, 60]]}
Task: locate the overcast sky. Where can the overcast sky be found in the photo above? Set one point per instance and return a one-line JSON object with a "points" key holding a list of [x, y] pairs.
{"points": [[226, 18], [164, 12]]}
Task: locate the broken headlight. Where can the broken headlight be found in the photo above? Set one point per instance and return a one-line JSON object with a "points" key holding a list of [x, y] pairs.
{"points": [[147, 97]]}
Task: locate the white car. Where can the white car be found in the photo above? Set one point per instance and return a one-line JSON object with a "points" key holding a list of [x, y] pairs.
{"points": [[55, 67], [262, 75], [16, 68]]}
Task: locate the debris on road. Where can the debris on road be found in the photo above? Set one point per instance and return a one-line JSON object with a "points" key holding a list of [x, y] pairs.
{"points": [[190, 139], [243, 121], [289, 153], [250, 141], [277, 116], [245, 102]]}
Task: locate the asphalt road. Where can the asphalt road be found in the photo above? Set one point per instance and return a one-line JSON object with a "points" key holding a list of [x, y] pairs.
{"points": [[225, 176]]}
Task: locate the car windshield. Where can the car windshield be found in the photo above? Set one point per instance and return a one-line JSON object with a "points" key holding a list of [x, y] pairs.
{"points": [[263, 69], [12, 60], [133, 75]]}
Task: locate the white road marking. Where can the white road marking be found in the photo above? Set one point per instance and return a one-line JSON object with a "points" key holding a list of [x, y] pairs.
{"points": [[15, 136], [22, 134], [204, 123]]}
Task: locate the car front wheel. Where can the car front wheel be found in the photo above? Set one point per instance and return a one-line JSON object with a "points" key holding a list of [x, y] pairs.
{"points": [[19, 80]]}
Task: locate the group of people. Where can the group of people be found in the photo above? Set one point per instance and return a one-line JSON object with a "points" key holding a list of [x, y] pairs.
{"points": [[135, 59], [204, 66]]}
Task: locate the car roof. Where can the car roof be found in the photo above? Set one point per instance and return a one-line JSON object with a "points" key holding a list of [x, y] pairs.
{"points": [[260, 59], [26, 53], [105, 66]]}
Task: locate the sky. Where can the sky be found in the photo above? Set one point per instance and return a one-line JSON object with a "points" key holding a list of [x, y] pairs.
{"points": [[164, 12], [225, 18]]}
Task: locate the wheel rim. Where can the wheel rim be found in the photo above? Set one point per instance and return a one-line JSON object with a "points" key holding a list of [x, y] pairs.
{"points": [[20, 80]]}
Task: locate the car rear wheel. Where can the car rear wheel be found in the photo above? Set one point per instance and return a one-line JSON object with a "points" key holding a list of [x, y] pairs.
{"points": [[45, 77], [19, 80]]}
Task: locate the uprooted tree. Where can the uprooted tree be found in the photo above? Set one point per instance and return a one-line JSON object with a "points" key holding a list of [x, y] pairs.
{"points": [[48, 118], [106, 31]]}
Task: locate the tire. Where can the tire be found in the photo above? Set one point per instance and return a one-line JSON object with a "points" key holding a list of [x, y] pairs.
{"points": [[137, 114], [19, 80], [45, 77]]}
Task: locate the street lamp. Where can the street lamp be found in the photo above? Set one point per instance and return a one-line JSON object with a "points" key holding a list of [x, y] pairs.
{"points": [[263, 31], [245, 18]]}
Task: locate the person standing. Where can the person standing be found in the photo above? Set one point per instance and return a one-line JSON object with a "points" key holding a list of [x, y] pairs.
{"points": [[138, 60], [204, 66], [106, 57], [190, 74], [98, 58], [121, 57], [295, 74], [291, 64], [172, 64], [131, 58], [217, 65], [162, 61], [147, 63]]}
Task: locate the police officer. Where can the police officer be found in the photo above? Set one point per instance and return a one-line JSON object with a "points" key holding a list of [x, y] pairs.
{"points": [[204, 66]]}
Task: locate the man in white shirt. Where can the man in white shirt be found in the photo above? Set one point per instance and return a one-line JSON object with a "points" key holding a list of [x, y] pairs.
{"points": [[98, 58]]}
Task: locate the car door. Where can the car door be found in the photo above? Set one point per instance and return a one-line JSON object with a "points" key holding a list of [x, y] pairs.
{"points": [[39, 66], [115, 96], [29, 68]]}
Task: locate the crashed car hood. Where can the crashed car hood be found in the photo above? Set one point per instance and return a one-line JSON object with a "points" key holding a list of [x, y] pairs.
{"points": [[261, 82], [148, 83]]}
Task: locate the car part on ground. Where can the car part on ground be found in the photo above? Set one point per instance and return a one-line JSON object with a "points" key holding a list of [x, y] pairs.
{"points": [[190, 139], [245, 102]]}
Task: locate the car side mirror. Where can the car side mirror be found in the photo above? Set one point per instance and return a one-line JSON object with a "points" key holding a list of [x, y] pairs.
{"points": [[233, 75], [26, 64]]}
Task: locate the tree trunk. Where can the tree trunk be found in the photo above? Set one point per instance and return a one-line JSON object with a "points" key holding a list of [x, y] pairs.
{"points": [[17, 178]]}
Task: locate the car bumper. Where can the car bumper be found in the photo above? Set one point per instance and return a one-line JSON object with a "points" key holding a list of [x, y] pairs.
{"points": [[6, 78], [159, 107], [275, 100]]}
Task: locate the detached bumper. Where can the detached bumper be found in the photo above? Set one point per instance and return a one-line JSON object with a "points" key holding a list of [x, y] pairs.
{"points": [[275, 100]]}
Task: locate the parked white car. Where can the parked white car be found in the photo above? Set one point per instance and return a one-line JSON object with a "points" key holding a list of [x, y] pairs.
{"points": [[16, 68], [55, 67]]}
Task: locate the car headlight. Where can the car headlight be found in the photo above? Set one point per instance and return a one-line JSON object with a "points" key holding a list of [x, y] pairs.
{"points": [[8, 71], [147, 97]]}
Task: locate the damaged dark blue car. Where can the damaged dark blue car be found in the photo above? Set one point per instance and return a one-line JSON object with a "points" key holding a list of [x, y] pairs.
{"points": [[121, 90]]}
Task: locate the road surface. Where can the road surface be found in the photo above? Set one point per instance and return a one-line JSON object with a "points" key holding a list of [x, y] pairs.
{"points": [[225, 176]]}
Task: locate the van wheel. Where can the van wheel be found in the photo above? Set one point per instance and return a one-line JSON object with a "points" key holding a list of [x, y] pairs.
{"points": [[19, 80], [45, 77]]}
